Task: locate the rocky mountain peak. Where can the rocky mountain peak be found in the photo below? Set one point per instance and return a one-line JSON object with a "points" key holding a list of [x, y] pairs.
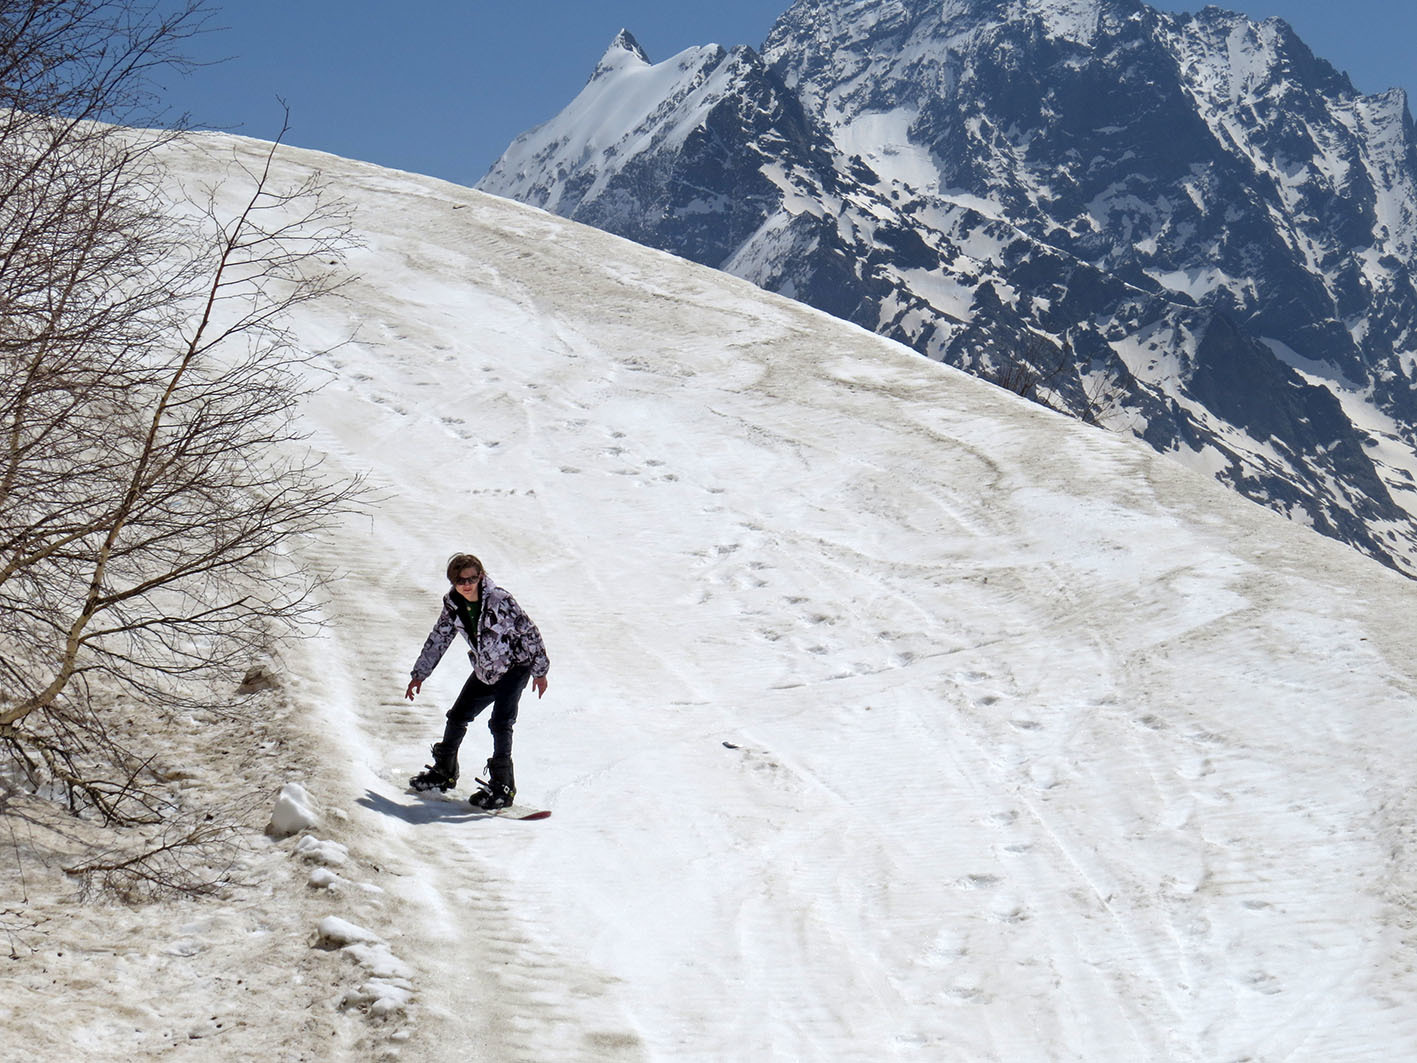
{"points": [[1178, 226], [624, 52]]}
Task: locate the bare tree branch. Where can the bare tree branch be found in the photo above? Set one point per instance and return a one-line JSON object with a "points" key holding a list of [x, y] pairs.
{"points": [[151, 481]]}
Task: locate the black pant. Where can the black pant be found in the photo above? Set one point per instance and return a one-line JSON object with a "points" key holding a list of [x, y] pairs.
{"points": [[476, 695]]}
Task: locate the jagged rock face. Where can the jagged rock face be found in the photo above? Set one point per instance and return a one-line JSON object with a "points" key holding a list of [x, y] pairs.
{"points": [[1184, 226]]}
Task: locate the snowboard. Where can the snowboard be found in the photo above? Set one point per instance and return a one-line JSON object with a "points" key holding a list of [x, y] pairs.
{"points": [[513, 811]]}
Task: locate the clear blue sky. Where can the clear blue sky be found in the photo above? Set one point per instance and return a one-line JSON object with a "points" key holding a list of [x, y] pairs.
{"points": [[442, 86]]}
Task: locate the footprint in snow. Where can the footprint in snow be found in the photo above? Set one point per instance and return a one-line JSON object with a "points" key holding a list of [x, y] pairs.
{"points": [[979, 882]]}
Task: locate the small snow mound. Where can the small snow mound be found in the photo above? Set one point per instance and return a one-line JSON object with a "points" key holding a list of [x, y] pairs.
{"points": [[380, 962], [389, 987], [335, 932], [319, 851], [324, 878], [381, 998], [293, 812]]}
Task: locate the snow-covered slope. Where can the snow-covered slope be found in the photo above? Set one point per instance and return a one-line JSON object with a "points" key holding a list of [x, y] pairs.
{"points": [[1186, 227], [890, 716]]}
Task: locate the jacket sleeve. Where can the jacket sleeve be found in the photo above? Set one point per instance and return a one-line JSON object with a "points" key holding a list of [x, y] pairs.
{"points": [[437, 643], [528, 638]]}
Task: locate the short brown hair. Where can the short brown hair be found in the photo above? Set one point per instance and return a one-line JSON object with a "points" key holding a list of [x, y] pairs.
{"points": [[458, 562]]}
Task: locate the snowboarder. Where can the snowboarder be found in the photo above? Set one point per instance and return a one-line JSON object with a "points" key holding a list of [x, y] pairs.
{"points": [[506, 651]]}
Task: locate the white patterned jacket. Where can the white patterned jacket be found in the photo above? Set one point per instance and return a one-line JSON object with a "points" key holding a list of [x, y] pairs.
{"points": [[505, 637]]}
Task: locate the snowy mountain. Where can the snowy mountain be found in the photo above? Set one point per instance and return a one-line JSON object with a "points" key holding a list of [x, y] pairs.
{"points": [[1186, 227], [891, 717]]}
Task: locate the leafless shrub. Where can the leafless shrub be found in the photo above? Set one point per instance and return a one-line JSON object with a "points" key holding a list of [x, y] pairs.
{"points": [[150, 477], [1048, 373], [20, 926], [1032, 369], [191, 855]]}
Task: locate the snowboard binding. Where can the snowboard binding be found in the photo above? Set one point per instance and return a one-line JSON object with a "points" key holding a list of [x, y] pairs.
{"points": [[498, 790], [442, 774]]}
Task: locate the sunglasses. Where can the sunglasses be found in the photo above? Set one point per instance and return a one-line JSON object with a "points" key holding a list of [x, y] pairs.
{"points": [[461, 582]]}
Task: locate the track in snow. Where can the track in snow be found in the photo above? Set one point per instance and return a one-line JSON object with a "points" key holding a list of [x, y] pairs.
{"points": [[1044, 748]]}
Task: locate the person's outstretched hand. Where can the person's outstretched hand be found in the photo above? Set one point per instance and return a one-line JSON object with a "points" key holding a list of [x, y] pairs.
{"points": [[414, 686]]}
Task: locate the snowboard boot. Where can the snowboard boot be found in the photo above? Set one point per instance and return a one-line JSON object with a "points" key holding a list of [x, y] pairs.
{"points": [[442, 774], [500, 788]]}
